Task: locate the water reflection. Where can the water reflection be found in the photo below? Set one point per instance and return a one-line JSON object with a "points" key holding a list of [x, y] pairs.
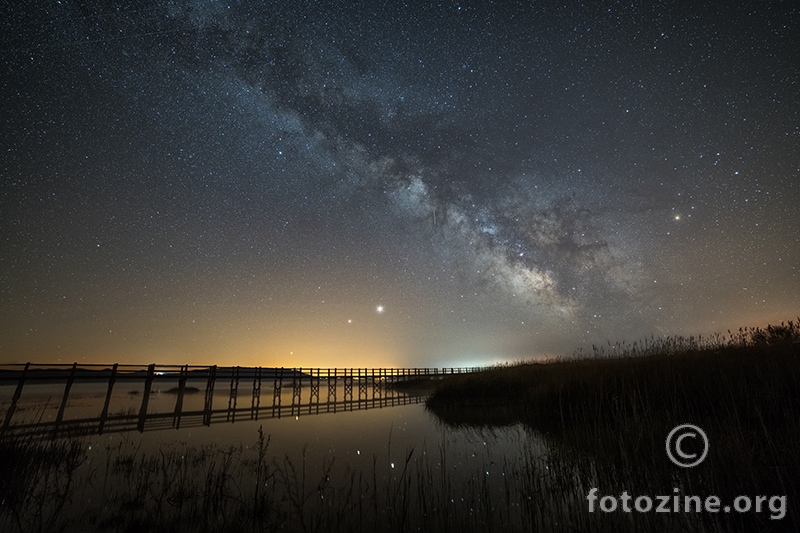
{"points": [[157, 400], [477, 416], [369, 468], [161, 421]]}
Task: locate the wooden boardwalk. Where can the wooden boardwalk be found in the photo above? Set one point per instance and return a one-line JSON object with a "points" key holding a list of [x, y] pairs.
{"points": [[313, 391]]}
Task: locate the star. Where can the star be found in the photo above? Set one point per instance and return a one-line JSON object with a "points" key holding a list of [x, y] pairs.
{"points": [[293, 171]]}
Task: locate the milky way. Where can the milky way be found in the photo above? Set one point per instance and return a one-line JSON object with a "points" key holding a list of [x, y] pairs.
{"points": [[245, 182]]}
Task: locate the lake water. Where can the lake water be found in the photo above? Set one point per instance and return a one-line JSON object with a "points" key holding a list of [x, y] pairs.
{"points": [[351, 431], [365, 458], [374, 445]]}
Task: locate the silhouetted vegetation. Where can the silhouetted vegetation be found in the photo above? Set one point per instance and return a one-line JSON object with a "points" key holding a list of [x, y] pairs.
{"points": [[613, 408], [37, 480], [237, 488], [751, 376]]}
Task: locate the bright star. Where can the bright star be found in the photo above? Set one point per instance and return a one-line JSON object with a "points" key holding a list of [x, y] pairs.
{"points": [[379, 309]]}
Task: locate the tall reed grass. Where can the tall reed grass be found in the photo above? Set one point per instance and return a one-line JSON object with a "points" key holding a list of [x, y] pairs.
{"points": [[216, 488], [611, 410]]}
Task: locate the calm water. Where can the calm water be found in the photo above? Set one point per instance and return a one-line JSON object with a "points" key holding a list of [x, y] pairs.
{"points": [[385, 453], [383, 462], [375, 442]]}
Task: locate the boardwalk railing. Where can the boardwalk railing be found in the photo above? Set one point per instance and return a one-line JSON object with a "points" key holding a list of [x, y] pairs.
{"points": [[344, 389]]}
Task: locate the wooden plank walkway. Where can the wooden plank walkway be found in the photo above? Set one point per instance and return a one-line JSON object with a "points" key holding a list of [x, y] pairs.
{"points": [[346, 389]]}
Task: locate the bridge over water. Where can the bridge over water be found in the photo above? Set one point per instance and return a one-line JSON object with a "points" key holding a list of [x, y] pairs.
{"points": [[250, 393]]}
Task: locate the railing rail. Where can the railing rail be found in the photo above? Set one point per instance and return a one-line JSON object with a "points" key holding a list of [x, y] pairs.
{"points": [[47, 371]]}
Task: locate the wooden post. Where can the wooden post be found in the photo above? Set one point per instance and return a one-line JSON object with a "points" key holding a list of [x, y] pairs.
{"points": [[376, 383], [385, 384], [332, 388], [314, 390], [296, 384], [15, 398], [234, 393], [348, 385], [209, 400], [70, 379], [148, 384], [176, 418], [256, 401], [111, 381], [276, 392]]}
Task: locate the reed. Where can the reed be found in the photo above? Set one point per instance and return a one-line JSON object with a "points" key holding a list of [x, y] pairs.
{"points": [[215, 488], [219, 488], [37, 482], [610, 412]]}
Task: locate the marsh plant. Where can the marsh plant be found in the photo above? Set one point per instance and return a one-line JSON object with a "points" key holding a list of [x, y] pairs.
{"points": [[37, 482], [611, 410], [216, 488]]}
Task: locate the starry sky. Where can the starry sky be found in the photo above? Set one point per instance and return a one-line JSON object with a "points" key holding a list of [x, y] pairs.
{"points": [[392, 183]]}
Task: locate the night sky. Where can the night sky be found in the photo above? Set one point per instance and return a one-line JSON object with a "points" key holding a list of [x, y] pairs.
{"points": [[383, 183]]}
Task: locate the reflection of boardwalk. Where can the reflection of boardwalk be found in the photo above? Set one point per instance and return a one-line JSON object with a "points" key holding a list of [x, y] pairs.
{"points": [[347, 389]]}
